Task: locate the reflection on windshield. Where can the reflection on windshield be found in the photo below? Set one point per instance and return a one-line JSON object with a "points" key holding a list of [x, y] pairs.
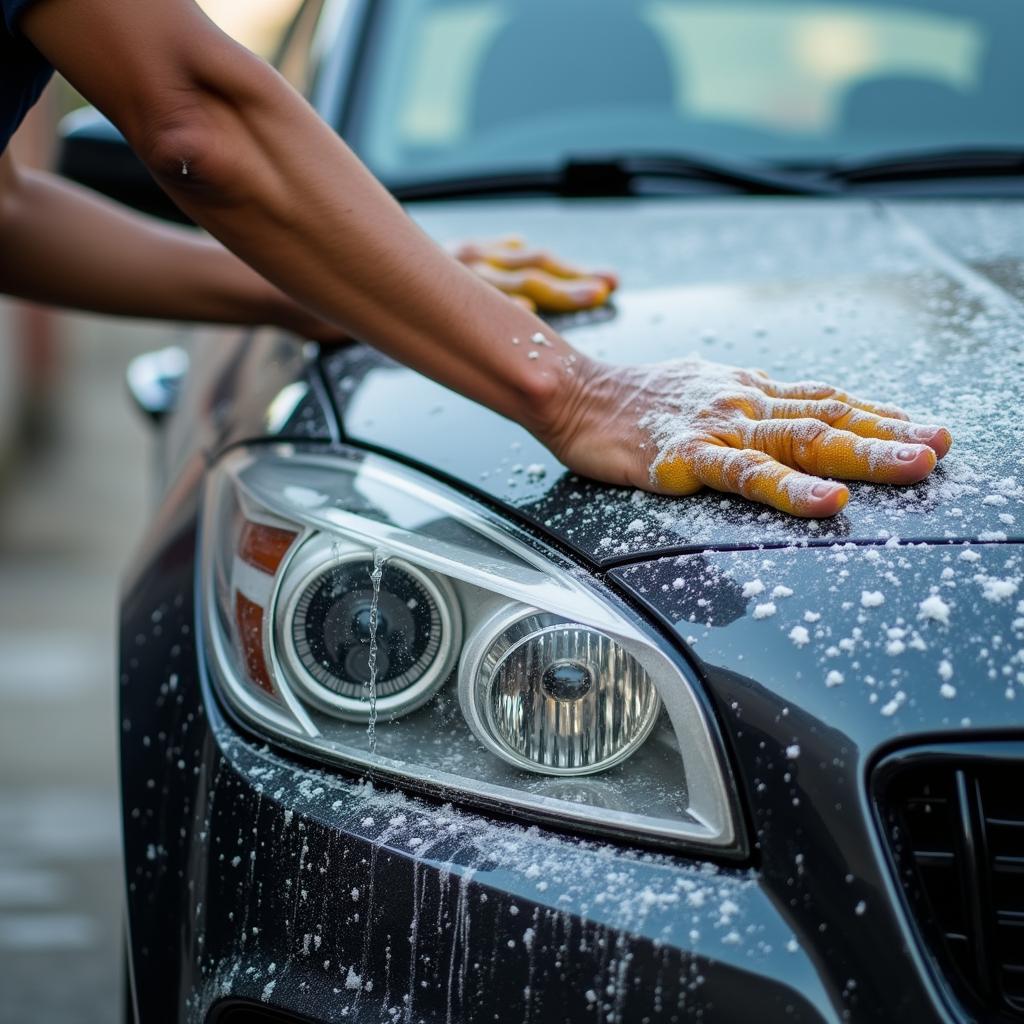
{"points": [[462, 86]]}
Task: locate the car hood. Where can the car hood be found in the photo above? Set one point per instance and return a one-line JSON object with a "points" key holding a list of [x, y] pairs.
{"points": [[917, 303]]}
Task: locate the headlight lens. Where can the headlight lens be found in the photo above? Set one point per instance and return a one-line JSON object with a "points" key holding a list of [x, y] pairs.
{"points": [[556, 697], [360, 645], [365, 613]]}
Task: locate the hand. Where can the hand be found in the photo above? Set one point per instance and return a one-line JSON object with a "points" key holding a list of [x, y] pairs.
{"points": [[675, 427], [534, 278]]}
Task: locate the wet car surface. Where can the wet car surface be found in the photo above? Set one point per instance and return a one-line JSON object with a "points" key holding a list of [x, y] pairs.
{"points": [[820, 656], [919, 302], [835, 837]]}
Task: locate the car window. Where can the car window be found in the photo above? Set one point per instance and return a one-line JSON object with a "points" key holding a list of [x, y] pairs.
{"points": [[453, 85], [295, 56]]}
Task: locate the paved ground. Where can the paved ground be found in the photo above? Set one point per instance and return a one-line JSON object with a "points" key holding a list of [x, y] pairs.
{"points": [[68, 520]]}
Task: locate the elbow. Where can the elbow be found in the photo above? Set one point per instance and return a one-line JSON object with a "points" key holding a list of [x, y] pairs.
{"points": [[193, 135], [184, 150]]}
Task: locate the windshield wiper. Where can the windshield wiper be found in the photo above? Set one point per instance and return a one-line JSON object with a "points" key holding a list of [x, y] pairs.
{"points": [[930, 165], [626, 175]]}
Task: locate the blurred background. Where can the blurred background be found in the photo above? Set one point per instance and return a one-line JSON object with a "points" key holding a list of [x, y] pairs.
{"points": [[73, 497]]}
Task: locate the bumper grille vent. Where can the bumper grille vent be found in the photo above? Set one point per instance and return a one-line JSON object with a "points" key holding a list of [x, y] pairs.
{"points": [[955, 827]]}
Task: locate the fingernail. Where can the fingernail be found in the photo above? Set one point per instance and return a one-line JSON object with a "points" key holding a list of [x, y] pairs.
{"points": [[907, 454], [822, 490], [924, 431]]}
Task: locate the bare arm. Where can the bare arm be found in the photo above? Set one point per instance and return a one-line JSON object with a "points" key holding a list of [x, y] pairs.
{"points": [[66, 246], [251, 162]]}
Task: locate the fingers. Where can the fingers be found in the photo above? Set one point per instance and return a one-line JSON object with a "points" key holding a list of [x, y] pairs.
{"points": [[546, 291], [752, 474], [816, 391], [815, 447], [753, 377], [864, 424], [512, 253], [521, 258]]}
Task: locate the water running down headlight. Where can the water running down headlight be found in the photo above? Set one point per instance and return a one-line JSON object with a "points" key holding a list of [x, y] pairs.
{"points": [[331, 610], [556, 697]]}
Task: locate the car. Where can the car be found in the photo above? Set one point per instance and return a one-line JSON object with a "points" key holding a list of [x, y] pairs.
{"points": [[418, 726]]}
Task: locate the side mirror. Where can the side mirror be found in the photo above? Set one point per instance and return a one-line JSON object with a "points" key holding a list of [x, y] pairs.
{"points": [[94, 153], [154, 380]]}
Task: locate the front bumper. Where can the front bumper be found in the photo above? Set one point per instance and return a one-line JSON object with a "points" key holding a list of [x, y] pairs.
{"points": [[339, 901]]}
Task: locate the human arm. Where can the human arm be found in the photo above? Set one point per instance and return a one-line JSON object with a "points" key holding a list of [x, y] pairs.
{"points": [[244, 155], [250, 161], [68, 246]]}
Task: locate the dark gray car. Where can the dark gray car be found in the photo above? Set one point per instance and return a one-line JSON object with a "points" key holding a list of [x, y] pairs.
{"points": [[417, 726]]}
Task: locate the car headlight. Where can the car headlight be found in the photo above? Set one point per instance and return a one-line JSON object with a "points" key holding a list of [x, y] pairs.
{"points": [[364, 612], [555, 697], [343, 630]]}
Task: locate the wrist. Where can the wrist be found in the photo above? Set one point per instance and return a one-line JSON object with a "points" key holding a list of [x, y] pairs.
{"points": [[561, 398], [594, 426]]}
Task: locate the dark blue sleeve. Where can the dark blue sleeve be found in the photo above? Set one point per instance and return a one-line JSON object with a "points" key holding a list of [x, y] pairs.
{"points": [[13, 10]]}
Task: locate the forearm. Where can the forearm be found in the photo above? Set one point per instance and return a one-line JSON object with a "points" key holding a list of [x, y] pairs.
{"points": [[309, 216], [268, 178], [66, 246], [249, 160]]}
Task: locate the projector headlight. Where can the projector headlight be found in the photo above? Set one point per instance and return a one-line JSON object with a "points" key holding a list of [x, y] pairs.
{"points": [[365, 613], [329, 618]]}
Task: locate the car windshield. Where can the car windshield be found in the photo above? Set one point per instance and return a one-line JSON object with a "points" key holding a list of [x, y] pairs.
{"points": [[461, 87]]}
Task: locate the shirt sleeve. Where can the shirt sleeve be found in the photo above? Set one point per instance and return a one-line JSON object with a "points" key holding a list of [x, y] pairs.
{"points": [[12, 12]]}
